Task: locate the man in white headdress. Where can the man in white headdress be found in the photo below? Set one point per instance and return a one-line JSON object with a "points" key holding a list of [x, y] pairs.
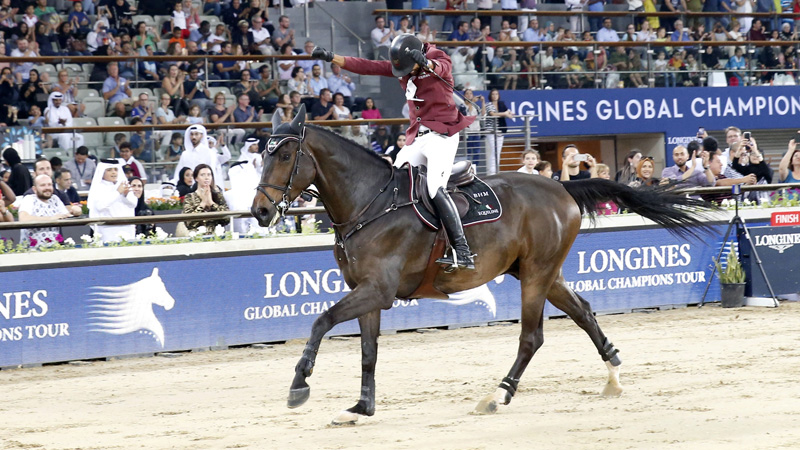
{"points": [[244, 178], [196, 151], [111, 196], [251, 154], [58, 115], [223, 153]]}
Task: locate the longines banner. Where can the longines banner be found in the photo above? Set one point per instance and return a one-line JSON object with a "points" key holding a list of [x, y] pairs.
{"points": [[675, 112], [134, 308], [779, 249]]}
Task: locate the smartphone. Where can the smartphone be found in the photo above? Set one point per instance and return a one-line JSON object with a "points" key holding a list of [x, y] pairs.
{"points": [[581, 157], [746, 135], [700, 132]]}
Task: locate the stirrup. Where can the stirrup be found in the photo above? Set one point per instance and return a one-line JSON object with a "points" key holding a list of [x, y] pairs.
{"points": [[455, 262]]}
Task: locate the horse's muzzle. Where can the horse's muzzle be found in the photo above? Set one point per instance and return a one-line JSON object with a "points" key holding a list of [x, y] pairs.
{"points": [[263, 215]]}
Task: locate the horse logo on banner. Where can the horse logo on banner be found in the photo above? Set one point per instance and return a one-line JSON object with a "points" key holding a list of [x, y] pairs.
{"points": [[480, 295], [128, 309]]}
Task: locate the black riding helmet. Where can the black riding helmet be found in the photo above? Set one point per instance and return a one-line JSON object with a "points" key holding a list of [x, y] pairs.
{"points": [[400, 54]]}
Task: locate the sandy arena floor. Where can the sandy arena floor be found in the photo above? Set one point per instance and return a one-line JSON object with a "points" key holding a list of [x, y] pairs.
{"points": [[711, 378]]}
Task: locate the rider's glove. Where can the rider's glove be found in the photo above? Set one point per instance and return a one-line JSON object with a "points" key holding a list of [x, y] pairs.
{"points": [[321, 53], [419, 58]]}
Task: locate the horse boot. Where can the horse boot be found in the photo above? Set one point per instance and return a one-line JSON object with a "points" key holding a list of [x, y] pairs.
{"points": [[460, 256]]}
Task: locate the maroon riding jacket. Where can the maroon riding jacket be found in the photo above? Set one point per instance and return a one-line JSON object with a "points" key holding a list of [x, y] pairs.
{"points": [[437, 110]]}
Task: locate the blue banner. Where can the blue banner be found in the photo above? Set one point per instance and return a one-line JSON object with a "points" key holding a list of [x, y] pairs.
{"points": [[70, 313]]}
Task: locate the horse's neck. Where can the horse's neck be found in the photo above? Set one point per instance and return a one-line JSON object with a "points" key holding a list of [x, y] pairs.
{"points": [[348, 178]]}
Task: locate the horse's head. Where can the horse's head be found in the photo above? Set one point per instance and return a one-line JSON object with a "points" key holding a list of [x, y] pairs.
{"points": [[157, 292], [288, 170]]}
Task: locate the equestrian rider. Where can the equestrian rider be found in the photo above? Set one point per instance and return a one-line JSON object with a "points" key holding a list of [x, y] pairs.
{"points": [[432, 138]]}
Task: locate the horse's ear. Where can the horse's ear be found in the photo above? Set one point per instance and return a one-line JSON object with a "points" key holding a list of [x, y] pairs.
{"points": [[300, 118], [276, 120], [155, 272]]}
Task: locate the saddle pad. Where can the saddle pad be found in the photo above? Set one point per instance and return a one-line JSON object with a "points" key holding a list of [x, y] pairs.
{"points": [[483, 204]]}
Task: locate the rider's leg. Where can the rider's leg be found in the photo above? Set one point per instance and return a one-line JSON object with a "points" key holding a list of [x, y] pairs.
{"points": [[440, 151]]}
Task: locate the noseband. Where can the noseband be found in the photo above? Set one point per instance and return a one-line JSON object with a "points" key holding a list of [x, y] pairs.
{"points": [[272, 146]]}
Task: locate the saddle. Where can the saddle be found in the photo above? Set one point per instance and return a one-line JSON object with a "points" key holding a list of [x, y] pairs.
{"points": [[462, 174]]}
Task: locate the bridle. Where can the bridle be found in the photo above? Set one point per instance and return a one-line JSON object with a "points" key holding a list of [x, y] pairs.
{"points": [[275, 141]]}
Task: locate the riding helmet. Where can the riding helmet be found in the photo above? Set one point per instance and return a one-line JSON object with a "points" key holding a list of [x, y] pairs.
{"points": [[400, 54]]}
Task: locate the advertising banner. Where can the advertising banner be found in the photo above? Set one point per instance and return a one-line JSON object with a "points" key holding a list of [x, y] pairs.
{"points": [[69, 313], [776, 246]]}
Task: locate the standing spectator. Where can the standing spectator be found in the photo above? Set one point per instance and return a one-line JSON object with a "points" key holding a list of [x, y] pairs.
{"points": [[596, 6], [571, 168], [41, 205], [20, 179], [206, 197], [116, 91], [111, 196], [628, 171], [81, 167], [382, 37], [212, 6], [284, 34], [510, 5], [496, 114], [58, 115], [745, 7], [473, 132], [451, 21], [644, 174], [789, 167], [687, 172]]}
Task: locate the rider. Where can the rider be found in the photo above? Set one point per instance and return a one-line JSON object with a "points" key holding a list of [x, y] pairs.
{"points": [[425, 74]]}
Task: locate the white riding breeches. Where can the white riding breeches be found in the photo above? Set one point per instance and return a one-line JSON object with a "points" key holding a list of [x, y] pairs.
{"points": [[435, 151]]}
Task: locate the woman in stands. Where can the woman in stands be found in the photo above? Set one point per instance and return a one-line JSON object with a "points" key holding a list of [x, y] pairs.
{"points": [[45, 40], [644, 172], [298, 82], [628, 172], [137, 186], [206, 197], [370, 111], [285, 108], [495, 124], [789, 167], [220, 114], [145, 36], [173, 85], [32, 90], [185, 181], [164, 114], [340, 111]]}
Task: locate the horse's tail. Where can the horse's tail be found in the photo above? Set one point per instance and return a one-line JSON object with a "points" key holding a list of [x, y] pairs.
{"points": [[664, 205]]}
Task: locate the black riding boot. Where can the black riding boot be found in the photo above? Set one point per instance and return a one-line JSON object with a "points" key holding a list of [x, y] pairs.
{"points": [[460, 257]]}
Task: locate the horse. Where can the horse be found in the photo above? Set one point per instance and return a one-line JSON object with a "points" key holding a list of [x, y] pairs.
{"points": [[380, 246], [128, 309]]}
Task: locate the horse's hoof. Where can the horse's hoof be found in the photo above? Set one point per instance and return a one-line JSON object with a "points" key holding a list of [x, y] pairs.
{"points": [[491, 402], [612, 390], [346, 418], [298, 396]]}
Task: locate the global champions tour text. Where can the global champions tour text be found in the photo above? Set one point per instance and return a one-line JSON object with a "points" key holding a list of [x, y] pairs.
{"points": [[662, 257], [303, 283], [24, 305]]}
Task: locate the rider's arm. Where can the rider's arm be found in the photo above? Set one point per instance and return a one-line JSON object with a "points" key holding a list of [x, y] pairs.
{"points": [[364, 66]]}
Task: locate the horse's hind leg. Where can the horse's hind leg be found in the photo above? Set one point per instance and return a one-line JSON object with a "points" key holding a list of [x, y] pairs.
{"points": [[370, 325], [530, 339], [579, 310]]}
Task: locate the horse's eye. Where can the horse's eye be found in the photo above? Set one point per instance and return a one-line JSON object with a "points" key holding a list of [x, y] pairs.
{"points": [[285, 157]]}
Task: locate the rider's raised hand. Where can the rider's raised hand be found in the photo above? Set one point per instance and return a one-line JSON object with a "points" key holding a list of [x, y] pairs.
{"points": [[321, 53], [418, 58]]}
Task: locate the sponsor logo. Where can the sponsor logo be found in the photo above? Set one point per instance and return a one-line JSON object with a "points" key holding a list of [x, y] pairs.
{"points": [[779, 242], [129, 309], [480, 295]]}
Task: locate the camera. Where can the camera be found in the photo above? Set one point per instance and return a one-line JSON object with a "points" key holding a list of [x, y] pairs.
{"points": [[700, 132], [581, 157]]}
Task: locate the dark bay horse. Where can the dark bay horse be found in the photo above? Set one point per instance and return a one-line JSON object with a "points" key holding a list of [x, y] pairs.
{"points": [[383, 254]]}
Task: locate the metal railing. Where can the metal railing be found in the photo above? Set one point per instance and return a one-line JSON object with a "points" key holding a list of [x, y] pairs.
{"points": [[334, 20]]}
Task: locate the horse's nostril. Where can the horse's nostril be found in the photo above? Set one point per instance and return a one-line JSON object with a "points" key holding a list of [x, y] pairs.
{"points": [[262, 212]]}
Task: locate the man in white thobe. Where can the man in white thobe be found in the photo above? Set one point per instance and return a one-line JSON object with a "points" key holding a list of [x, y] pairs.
{"points": [[58, 115], [196, 151], [111, 196], [222, 152]]}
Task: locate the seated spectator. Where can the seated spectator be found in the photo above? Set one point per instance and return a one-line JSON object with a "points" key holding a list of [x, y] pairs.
{"points": [[78, 19], [142, 143], [148, 70], [357, 134], [382, 37], [36, 119], [185, 180], [66, 191], [192, 16], [789, 167], [110, 196], [259, 37], [393, 150], [464, 73], [36, 207], [316, 83], [144, 36], [299, 83], [45, 40], [530, 158], [20, 179], [323, 109], [286, 66], [574, 171], [308, 64], [680, 34], [116, 91], [127, 158], [40, 167], [164, 114], [172, 85], [533, 33], [219, 113], [119, 138], [34, 91], [141, 209], [69, 88], [341, 82], [685, 171], [370, 111], [460, 34], [736, 66], [206, 197], [242, 37], [607, 33], [269, 90], [247, 86], [643, 175], [340, 111], [194, 116], [175, 148], [81, 167], [284, 34], [58, 115], [244, 112], [380, 140], [226, 70], [544, 169], [213, 41], [425, 34], [284, 108]]}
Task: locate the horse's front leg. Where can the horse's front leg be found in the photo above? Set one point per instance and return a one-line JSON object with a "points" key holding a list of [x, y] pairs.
{"points": [[370, 325], [362, 300]]}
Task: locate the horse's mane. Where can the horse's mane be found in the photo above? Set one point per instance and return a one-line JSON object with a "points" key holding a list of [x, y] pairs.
{"points": [[347, 141]]}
